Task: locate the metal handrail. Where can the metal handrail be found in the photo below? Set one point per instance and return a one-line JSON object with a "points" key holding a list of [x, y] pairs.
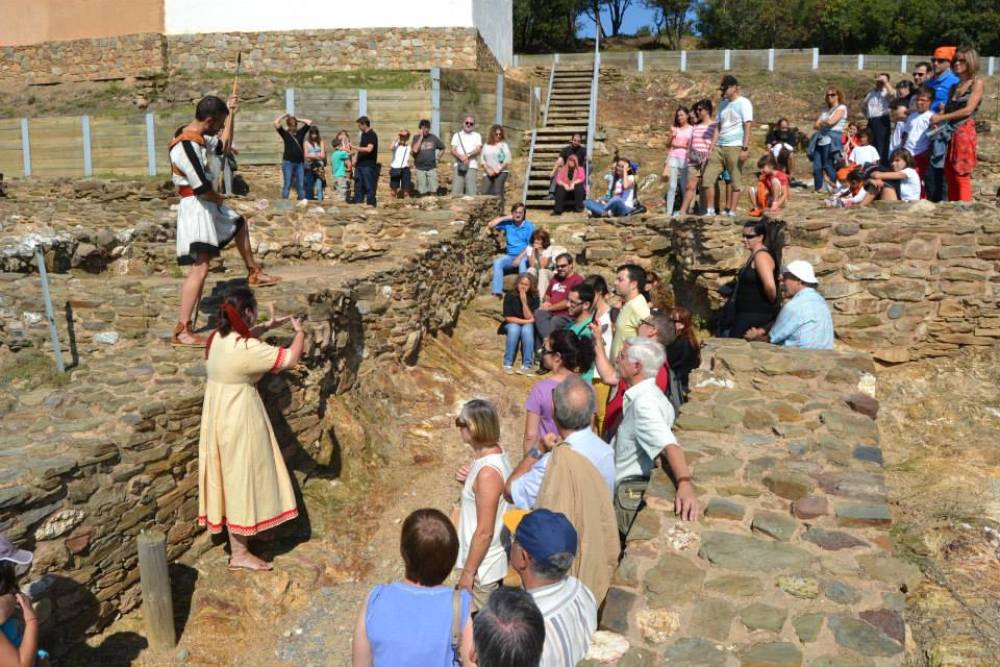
{"points": [[548, 94], [592, 113], [527, 167]]}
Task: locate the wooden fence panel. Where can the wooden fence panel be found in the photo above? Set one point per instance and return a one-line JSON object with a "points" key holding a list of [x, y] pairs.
{"points": [[119, 146], [11, 162], [57, 147]]}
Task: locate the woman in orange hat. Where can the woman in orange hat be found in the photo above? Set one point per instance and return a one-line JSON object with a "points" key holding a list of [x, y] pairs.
{"points": [[960, 113]]}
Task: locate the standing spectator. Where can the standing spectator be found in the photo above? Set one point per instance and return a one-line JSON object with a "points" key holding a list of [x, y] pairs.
{"points": [[466, 144], [675, 168], [865, 153], [340, 165], [541, 256], [942, 82], [898, 114], [18, 636], [243, 483], [916, 140], [804, 320], [731, 146], [552, 313], [604, 334], [409, 622], [519, 306], [366, 164], [581, 310], [399, 168], [542, 552], [752, 302], [921, 72], [876, 110], [702, 136], [509, 631], [571, 186], [645, 434], [630, 281], [684, 354], [292, 156], [960, 115], [904, 92], [781, 138], [495, 158], [518, 231], [575, 147], [427, 150], [481, 557], [825, 145], [315, 164]]}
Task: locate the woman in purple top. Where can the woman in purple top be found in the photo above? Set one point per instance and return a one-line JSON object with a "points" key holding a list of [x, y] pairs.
{"points": [[564, 354], [409, 622]]}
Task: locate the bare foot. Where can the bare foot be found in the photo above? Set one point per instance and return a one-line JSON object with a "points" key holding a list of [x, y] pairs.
{"points": [[249, 562]]}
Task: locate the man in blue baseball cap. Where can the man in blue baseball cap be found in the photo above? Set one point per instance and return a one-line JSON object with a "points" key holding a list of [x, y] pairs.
{"points": [[542, 552]]}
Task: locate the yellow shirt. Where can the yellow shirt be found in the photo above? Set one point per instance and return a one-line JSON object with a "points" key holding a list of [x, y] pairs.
{"points": [[627, 324]]}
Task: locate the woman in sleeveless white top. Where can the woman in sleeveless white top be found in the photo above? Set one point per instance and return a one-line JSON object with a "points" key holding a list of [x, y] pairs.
{"points": [[481, 556]]}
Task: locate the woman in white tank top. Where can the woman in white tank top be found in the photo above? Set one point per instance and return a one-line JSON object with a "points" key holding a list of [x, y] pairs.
{"points": [[481, 557]]}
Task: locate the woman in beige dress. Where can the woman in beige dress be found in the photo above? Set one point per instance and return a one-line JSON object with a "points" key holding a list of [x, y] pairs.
{"points": [[243, 484]]}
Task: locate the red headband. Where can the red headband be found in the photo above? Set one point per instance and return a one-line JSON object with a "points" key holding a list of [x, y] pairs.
{"points": [[235, 321]]}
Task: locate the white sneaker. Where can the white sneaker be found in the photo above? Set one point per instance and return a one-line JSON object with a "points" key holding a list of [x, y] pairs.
{"points": [[710, 212], [731, 214], [509, 370]]}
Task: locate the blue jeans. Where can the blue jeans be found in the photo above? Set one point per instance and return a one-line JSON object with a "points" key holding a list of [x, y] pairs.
{"points": [[523, 334], [505, 264], [364, 184], [823, 160], [314, 186], [293, 171], [616, 205]]}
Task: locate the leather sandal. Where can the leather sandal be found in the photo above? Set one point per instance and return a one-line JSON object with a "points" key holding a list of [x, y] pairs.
{"points": [[185, 328], [257, 278]]}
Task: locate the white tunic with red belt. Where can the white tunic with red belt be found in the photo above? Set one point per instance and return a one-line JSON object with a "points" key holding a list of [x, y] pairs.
{"points": [[202, 226]]}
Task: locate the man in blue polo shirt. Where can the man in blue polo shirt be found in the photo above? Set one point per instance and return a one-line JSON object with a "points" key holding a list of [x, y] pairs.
{"points": [[518, 231], [942, 82]]}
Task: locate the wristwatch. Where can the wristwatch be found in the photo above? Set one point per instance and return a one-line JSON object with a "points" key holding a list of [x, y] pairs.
{"points": [[535, 453]]}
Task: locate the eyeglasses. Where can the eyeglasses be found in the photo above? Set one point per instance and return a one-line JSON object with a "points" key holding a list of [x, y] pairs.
{"points": [[461, 423], [573, 302], [469, 123], [647, 322], [562, 266]]}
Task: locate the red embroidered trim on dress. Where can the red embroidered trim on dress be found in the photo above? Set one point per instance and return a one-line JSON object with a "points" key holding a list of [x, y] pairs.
{"points": [[277, 361], [248, 530]]}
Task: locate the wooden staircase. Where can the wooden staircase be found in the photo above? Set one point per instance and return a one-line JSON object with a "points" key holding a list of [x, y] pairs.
{"points": [[566, 112]]}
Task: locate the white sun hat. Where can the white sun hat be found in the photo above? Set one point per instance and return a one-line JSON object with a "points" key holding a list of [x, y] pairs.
{"points": [[802, 270]]}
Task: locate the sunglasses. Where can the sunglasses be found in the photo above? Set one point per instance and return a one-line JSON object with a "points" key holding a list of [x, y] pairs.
{"points": [[574, 302], [750, 236], [831, 94], [939, 60], [469, 124], [959, 60], [562, 266], [918, 75], [461, 423]]}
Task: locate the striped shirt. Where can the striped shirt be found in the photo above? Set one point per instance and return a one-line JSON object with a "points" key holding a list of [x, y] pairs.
{"points": [[804, 322], [701, 137], [570, 614]]}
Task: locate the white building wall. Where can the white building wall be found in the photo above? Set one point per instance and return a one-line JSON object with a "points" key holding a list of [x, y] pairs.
{"points": [[495, 21]]}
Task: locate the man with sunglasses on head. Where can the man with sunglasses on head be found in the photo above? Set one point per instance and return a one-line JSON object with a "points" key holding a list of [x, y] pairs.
{"points": [[553, 314], [921, 73], [466, 144]]}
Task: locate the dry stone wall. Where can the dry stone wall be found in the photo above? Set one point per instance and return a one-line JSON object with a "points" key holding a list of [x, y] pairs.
{"points": [[138, 55]]}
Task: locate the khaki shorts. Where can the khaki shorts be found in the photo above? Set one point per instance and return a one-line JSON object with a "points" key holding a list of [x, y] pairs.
{"points": [[724, 158]]}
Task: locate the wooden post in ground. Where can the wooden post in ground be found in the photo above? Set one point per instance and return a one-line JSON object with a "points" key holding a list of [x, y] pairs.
{"points": [[157, 603]]}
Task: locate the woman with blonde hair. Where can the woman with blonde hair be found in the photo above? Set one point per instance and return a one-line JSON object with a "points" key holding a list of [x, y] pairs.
{"points": [[960, 116], [481, 556]]}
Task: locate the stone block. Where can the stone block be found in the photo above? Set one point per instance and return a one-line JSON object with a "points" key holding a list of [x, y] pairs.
{"points": [[617, 606], [760, 616], [674, 578], [789, 485], [735, 585], [774, 524], [866, 639], [810, 507], [739, 552], [832, 540], [712, 618], [691, 652], [863, 514], [722, 508], [806, 588], [772, 654], [807, 627]]}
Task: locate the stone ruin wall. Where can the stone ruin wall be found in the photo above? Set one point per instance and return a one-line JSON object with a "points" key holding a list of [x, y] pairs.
{"points": [[148, 54], [83, 486]]}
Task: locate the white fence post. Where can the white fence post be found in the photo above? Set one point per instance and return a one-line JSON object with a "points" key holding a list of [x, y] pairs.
{"points": [[150, 144], [638, 60], [902, 64], [727, 59], [290, 101], [991, 67], [815, 58], [499, 115], [861, 61], [770, 60], [88, 161], [555, 58], [362, 102], [436, 100], [25, 147], [517, 60], [684, 61]]}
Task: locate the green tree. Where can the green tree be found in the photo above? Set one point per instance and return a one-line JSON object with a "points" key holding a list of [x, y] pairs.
{"points": [[673, 20], [616, 12], [545, 26]]}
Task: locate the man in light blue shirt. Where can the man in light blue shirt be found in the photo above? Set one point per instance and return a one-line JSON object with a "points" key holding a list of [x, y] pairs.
{"points": [[518, 230], [804, 320], [574, 405]]}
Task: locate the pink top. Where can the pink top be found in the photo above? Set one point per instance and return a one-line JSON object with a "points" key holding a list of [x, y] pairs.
{"points": [[680, 141], [701, 137]]}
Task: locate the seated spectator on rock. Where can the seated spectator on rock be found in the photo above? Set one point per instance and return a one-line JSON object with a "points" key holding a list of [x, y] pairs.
{"points": [[563, 355], [571, 187], [772, 189], [541, 256], [574, 148], [18, 636], [574, 405], [900, 184], [917, 141], [658, 326], [620, 198], [781, 137], [684, 353], [865, 153], [481, 557], [518, 230], [581, 312], [552, 313], [519, 305], [751, 299], [852, 188], [542, 553], [409, 622], [804, 320], [645, 433], [509, 631]]}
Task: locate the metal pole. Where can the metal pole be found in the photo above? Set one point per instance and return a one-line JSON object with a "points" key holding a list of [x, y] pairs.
{"points": [[436, 101], [290, 101], [362, 102], [150, 144], [49, 313], [88, 162], [25, 147]]}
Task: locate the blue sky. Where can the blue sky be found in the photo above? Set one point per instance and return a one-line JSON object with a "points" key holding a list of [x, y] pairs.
{"points": [[636, 17]]}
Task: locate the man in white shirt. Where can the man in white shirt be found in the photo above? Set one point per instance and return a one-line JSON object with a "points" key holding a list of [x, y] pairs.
{"points": [[542, 552], [730, 146], [574, 405], [917, 141], [466, 144], [876, 109], [645, 433]]}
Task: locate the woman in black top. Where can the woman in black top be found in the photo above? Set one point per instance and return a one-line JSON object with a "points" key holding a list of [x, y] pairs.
{"points": [[684, 354], [756, 293], [519, 304]]}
